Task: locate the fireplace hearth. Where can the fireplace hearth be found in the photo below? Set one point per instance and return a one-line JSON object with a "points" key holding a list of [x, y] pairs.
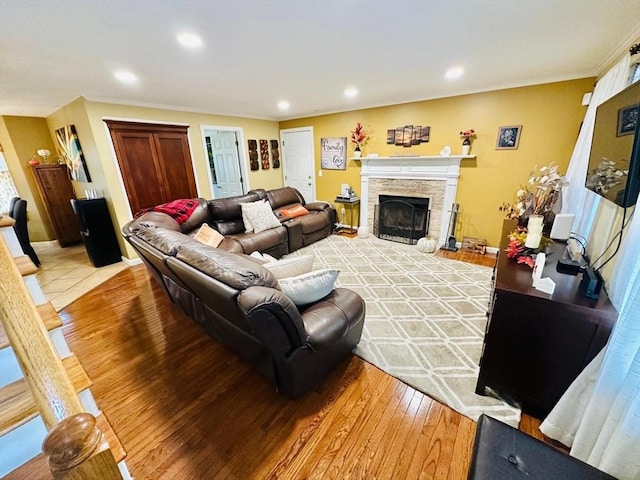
{"points": [[401, 219]]}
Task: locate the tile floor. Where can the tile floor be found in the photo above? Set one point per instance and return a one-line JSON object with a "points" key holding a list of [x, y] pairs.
{"points": [[65, 274]]}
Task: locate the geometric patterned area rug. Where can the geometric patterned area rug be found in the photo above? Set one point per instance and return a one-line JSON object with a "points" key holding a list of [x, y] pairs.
{"points": [[425, 317]]}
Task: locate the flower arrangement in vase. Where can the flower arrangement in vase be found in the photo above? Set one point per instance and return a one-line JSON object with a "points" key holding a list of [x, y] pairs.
{"points": [[467, 137], [540, 196], [517, 249], [358, 138]]}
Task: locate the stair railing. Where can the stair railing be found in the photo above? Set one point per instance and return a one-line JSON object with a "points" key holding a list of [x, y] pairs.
{"points": [[50, 385]]}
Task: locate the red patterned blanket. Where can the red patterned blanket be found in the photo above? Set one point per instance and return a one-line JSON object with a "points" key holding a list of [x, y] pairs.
{"points": [[179, 210]]}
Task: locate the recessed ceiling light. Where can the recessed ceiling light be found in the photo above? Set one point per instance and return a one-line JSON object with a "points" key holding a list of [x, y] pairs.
{"points": [[126, 77], [284, 105], [190, 40], [453, 73], [351, 92]]}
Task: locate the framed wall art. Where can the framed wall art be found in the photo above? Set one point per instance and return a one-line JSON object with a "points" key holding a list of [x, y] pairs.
{"points": [[627, 120], [508, 137], [70, 150], [333, 153]]}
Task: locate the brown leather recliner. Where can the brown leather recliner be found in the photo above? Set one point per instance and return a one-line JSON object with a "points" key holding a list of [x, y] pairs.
{"points": [[304, 230], [238, 302]]}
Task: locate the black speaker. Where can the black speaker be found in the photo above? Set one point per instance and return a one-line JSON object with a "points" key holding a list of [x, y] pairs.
{"points": [[591, 283], [97, 231]]}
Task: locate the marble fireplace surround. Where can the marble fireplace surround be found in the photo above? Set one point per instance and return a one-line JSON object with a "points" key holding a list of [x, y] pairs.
{"points": [[434, 177]]}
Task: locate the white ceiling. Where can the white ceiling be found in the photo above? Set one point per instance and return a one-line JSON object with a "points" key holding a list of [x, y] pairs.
{"points": [[259, 52]]}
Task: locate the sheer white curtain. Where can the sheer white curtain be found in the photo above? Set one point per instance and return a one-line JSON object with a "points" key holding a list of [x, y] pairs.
{"points": [[575, 198], [599, 415]]}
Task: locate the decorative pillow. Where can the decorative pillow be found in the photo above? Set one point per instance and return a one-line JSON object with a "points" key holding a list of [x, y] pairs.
{"points": [[263, 256], [260, 216], [309, 287], [245, 207], [297, 211], [290, 267], [208, 236]]}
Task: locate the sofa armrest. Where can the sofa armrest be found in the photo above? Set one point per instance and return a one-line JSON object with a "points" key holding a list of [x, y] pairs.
{"points": [[150, 219], [329, 320], [274, 318], [318, 206]]}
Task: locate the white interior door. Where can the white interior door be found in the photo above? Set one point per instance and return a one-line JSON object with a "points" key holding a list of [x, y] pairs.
{"points": [[224, 163], [298, 160]]}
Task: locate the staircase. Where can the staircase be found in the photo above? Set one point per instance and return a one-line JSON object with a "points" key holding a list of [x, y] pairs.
{"points": [[28, 405]]}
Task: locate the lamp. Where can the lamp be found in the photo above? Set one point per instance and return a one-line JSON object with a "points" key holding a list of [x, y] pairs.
{"points": [[44, 153]]}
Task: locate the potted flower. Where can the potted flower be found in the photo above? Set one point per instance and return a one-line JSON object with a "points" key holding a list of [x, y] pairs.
{"points": [[467, 137], [358, 138]]}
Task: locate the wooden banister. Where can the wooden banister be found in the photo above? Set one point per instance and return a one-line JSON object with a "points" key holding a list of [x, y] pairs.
{"points": [[78, 450], [50, 385]]}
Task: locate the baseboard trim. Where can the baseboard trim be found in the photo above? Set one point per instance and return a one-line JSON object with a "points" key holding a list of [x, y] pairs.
{"points": [[131, 262]]}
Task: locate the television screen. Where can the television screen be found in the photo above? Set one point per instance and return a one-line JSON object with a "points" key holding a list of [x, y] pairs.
{"points": [[614, 162]]}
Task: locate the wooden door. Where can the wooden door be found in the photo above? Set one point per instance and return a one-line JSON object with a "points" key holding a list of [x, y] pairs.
{"points": [[56, 191], [155, 162]]}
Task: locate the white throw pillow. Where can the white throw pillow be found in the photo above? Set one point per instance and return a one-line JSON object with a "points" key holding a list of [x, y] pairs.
{"points": [[309, 287], [291, 267], [245, 207], [260, 216], [208, 236], [265, 257]]}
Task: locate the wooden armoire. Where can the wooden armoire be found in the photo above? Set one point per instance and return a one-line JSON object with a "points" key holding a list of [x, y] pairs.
{"points": [[155, 162], [56, 191]]}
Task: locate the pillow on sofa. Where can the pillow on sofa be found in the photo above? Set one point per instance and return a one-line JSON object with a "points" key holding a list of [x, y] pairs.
{"points": [[245, 207], [290, 267], [208, 236], [259, 215], [265, 257], [297, 211], [309, 287]]}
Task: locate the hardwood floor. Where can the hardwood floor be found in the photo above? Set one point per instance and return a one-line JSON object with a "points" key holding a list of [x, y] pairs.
{"points": [[184, 407]]}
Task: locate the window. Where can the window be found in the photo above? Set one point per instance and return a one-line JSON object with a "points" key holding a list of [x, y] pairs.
{"points": [[7, 187]]}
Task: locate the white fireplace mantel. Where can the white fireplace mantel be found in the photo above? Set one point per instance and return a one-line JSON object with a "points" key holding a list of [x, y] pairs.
{"points": [[439, 168]]}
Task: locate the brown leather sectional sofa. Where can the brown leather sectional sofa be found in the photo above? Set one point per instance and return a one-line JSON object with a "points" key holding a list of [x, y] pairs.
{"points": [[238, 301]]}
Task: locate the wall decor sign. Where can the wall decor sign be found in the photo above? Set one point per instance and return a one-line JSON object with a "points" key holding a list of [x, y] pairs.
{"points": [[253, 154], [333, 153], [70, 150], [508, 137], [408, 135], [627, 120], [264, 154]]}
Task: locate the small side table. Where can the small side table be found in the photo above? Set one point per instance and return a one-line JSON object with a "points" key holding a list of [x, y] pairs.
{"points": [[351, 205]]}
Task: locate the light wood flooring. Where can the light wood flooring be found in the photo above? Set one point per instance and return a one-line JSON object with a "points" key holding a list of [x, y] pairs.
{"points": [[184, 407]]}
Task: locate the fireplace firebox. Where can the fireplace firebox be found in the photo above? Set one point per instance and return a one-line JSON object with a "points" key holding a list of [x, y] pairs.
{"points": [[401, 219]]}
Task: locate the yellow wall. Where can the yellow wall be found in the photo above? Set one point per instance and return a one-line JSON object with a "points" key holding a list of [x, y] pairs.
{"points": [[550, 115], [20, 138], [94, 137]]}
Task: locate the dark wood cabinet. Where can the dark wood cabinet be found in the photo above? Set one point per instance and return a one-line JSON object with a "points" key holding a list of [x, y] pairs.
{"points": [[56, 191], [536, 344], [155, 162]]}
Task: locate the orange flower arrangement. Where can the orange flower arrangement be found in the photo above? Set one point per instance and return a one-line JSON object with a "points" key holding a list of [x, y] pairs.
{"points": [[358, 136]]}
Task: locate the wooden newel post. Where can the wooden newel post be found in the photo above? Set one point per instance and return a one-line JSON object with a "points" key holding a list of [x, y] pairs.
{"points": [[77, 450]]}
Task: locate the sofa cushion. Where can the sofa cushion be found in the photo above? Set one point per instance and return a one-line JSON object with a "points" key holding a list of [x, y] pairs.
{"points": [[245, 208], [208, 236], [236, 271], [224, 209], [309, 287], [165, 240], [280, 197], [259, 215], [291, 267]]}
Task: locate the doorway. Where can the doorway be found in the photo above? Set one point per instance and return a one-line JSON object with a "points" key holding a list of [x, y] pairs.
{"points": [[298, 160], [226, 169]]}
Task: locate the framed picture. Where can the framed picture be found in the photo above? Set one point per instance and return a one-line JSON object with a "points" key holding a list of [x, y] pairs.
{"points": [[627, 120], [70, 150], [333, 153], [508, 137]]}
